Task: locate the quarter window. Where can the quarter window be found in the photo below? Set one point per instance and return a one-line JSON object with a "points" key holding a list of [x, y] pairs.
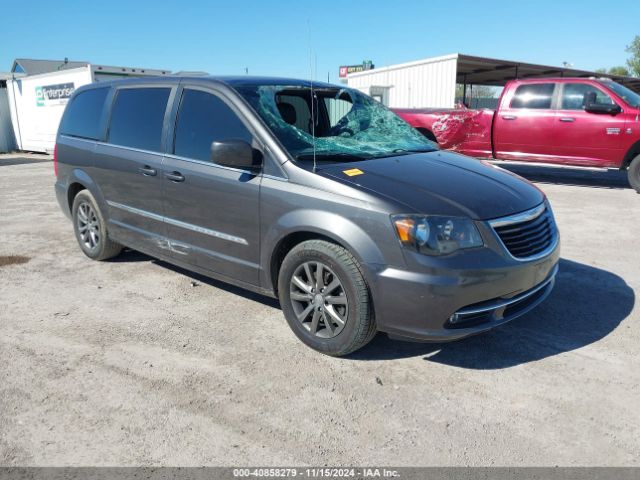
{"points": [[574, 96], [534, 95], [204, 118], [137, 117], [82, 117]]}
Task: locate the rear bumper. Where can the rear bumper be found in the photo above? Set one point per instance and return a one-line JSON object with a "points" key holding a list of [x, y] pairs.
{"points": [[449, 304]]}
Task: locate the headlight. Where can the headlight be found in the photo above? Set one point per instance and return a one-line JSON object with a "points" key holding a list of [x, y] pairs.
{"points": [[434, 235]]}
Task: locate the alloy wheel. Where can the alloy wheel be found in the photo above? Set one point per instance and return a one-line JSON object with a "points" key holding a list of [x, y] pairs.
{"points": [[88, 226], [319, 299]]}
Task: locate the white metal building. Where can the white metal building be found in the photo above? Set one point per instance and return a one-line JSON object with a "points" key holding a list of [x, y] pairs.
{"points": [[40, 89], [431, 82]]}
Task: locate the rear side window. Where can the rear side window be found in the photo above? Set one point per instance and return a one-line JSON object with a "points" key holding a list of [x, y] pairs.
{"points": [[137, 117], [574, 96], [82, 118], [202, 119], [535, 95]]}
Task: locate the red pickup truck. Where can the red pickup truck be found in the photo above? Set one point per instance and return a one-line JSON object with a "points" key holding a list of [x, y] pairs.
{"points": [[568, 121]]}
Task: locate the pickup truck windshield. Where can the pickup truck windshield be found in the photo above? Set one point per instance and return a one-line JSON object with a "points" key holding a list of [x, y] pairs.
{"points": [[623, 92], [347, 126]]}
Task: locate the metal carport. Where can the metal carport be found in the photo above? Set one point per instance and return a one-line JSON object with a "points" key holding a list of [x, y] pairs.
{"points": [[431, 82], [490, 71]]}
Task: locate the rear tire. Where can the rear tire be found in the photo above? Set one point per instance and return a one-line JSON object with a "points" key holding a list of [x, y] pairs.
{"points": [[91, 229], [633, 173], [330, 312]]}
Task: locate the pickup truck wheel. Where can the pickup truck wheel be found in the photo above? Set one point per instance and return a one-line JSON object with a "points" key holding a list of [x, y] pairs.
{"points": [[91, 229], [325, 299], [634, 173]]}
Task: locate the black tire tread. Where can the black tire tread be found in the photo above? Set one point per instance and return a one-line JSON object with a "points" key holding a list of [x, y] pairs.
{"points": [[634, 173]]}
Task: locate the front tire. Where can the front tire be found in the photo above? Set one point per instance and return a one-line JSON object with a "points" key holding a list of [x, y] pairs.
{"points": [[325, 299], [91, 229], [634, 173]]}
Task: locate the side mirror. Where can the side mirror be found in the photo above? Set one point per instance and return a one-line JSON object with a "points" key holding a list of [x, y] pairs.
{"points": [[591, 106], [236, 154]]}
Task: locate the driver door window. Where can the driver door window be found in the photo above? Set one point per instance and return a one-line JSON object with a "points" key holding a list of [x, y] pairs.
{"points": [[202, 119], [574, 95]]}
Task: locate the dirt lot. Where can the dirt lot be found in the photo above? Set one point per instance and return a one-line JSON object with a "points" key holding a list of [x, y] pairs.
{"points": [[135, 362]]}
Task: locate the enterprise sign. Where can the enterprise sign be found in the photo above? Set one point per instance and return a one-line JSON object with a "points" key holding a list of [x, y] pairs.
{"points": [[54, 94]]}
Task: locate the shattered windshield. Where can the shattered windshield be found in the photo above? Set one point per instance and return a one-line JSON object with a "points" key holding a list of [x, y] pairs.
{"points": [[346, 125]]}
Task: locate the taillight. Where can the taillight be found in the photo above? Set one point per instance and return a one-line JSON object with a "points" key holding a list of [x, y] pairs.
{"points": [[55, 160]]}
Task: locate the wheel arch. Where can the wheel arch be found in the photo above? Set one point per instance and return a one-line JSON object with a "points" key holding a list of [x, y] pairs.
{"points": [[73, 190], [632, 153], [296, 227], [80, 180]]}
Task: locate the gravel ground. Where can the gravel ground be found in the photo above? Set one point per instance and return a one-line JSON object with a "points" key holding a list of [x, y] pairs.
{"points": [[136, 362]]}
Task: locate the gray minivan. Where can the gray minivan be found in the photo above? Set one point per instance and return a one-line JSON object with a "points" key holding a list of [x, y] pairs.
{"points": [[309, 192]]}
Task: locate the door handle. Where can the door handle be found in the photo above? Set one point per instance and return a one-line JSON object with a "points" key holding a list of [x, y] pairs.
{"points": [[147, 171], [567, 119], [174, 176], [509, 117]]}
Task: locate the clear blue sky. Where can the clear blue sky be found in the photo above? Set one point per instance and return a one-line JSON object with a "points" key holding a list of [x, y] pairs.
{"points": [[272, 38]]}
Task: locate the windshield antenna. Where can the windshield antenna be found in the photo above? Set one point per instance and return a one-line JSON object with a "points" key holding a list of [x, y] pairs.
{"points": [[313, 118]]}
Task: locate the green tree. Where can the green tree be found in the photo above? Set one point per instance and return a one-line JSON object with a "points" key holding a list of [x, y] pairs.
{"points": [[634, 61], [622, 71]]}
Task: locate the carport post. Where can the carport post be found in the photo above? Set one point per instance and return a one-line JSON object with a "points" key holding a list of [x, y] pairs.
{"points": [[464, 89]]}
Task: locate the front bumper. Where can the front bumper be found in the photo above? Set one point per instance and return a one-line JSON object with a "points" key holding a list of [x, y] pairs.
{"points": [[450, 301]]}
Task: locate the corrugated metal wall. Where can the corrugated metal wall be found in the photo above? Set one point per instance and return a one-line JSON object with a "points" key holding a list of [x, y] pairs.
{"points": [[422, 84], [7, 139]]}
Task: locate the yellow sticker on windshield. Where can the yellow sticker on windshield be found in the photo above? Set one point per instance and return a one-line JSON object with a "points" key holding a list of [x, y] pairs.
{"points": [[353, 172]]}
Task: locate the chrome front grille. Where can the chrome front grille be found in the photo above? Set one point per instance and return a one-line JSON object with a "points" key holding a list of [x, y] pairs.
{"points": [[529, 234]]}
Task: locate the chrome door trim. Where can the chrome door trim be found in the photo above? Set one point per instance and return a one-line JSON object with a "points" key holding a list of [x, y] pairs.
{"points": [[178, 223], [210, 164]]}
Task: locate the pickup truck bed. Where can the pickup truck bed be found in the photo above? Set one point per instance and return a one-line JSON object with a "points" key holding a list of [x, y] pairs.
{"points": [[459, 130]]}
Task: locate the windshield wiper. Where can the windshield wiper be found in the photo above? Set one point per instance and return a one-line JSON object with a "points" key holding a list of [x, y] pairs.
{"points": [[404, 151], [414, 150]]}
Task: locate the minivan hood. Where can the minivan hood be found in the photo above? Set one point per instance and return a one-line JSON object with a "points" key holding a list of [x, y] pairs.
{"points": [[441, 183]]}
